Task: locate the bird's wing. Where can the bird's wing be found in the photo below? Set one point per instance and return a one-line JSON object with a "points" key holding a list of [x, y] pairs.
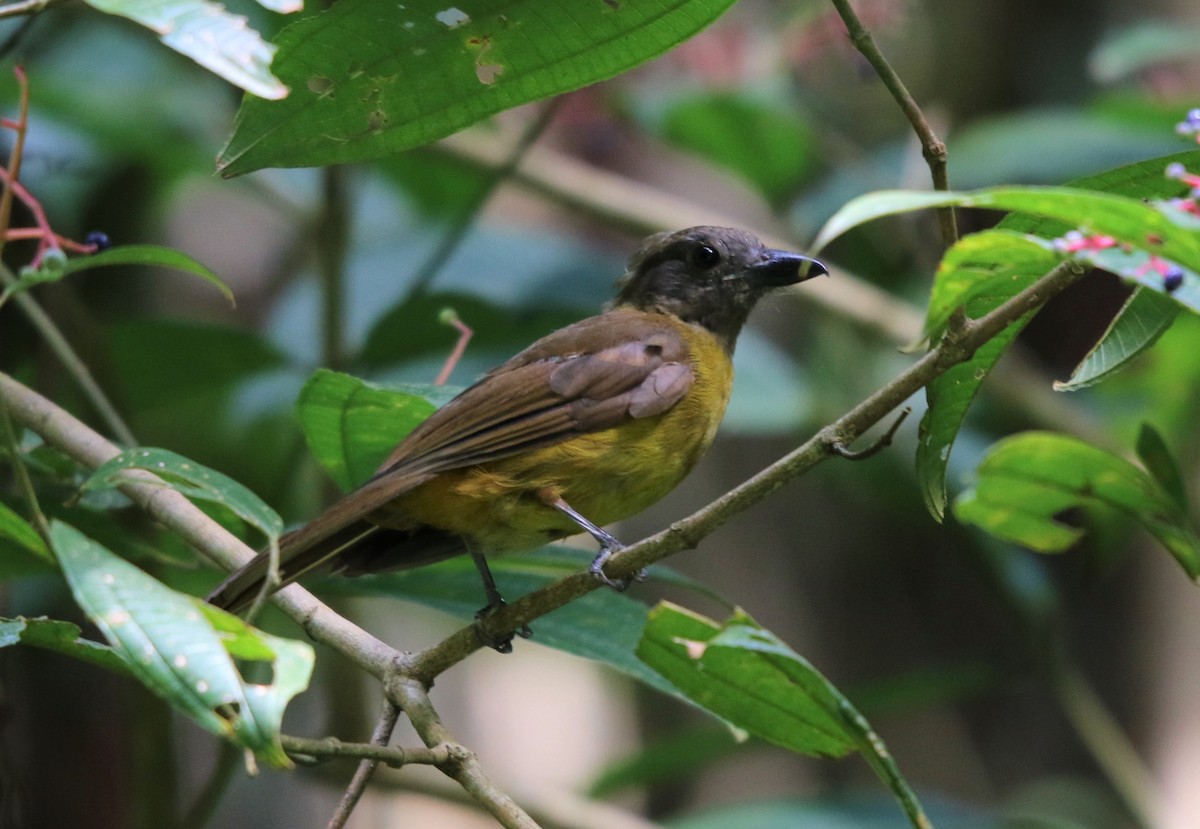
{"points": [[590, 376]]}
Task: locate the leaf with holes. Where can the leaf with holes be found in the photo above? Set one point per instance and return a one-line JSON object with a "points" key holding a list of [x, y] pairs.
{"points": [[1027, 480], [370, 79], [183, 649]]}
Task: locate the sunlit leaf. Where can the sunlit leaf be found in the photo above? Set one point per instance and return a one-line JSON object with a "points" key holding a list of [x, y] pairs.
{"points": [[183, 649], [1027, 480], [370, 79], [217, 39]]}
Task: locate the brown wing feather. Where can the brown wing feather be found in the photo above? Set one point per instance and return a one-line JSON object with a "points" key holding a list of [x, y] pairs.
{"points": [[593, 375]]}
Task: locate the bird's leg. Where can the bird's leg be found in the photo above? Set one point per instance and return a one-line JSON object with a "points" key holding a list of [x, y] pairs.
{"points": [[500, 644], [608, 546]]}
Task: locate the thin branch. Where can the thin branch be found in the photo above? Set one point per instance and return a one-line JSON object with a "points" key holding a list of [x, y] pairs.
{"points": [[686, 533], [90, 449], [330, 748], [1106, 741], [25, 7], [464, 768], [71, 361], [9, 440], [14, 157], [932, 147], [366, 769]]}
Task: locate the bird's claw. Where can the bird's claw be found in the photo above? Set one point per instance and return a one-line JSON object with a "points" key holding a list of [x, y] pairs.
{"points": [[596, 569], [501, 643]]}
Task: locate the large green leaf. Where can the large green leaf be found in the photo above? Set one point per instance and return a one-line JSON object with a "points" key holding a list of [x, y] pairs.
{"points": [[748, 676], [352, 425], [183, 649], [1027, 480], [215, 38], [370, 79], [985, 269]]}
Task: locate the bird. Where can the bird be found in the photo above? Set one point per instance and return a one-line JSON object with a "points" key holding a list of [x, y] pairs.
{"points": [[587, 426]]}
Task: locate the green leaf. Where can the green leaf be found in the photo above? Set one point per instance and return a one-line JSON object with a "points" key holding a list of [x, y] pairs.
{"points": [[603, 625], [749, 677], [1136, 327], [183, 649], [217, 39], [981, 271], [996, 261], [370, 79], [1028, 479], [1170, 233], [352, 425], [55, 266], [60, 637], [1152, 451], [152, 255], [796, 711], [193, 480], [16, 529]]}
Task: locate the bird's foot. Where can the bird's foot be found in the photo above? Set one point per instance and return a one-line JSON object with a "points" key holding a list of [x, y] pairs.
{"points": [[499, 642], [597, 568]]}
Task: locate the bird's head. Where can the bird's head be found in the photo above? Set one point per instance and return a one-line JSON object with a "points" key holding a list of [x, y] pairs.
{"points": [[709, 276]]}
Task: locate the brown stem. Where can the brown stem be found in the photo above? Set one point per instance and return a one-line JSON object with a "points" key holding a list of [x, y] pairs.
{"points": [[932, 147]]}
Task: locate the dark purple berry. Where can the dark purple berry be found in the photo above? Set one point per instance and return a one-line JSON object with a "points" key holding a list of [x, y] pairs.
{"points": [[98, 239], [1172, 279]]}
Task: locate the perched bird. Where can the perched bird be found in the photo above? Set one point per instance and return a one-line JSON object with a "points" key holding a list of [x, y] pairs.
{"points": [[587, 426]]}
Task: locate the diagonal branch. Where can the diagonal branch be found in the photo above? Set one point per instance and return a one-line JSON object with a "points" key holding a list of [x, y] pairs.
{"points": [[688, 532], [932, 147]]}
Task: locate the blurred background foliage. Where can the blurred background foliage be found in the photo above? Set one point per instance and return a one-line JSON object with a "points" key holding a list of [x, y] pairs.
{"points": [[1014, 690]]}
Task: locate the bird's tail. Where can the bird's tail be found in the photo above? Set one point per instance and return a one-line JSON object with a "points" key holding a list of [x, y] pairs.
{"points": [[298, 556]]}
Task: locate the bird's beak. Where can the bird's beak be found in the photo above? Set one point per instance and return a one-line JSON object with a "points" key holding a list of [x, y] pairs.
{"points": [[781, 267]]}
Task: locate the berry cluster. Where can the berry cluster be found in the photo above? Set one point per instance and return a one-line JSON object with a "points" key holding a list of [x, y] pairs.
{"points": [[1190, 126]]}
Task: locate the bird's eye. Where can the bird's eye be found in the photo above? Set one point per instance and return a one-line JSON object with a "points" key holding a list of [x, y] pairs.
{"points": [[704, 256]]}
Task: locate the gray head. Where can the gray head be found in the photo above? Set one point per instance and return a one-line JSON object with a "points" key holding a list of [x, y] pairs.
{"points": [[710, 276]]}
